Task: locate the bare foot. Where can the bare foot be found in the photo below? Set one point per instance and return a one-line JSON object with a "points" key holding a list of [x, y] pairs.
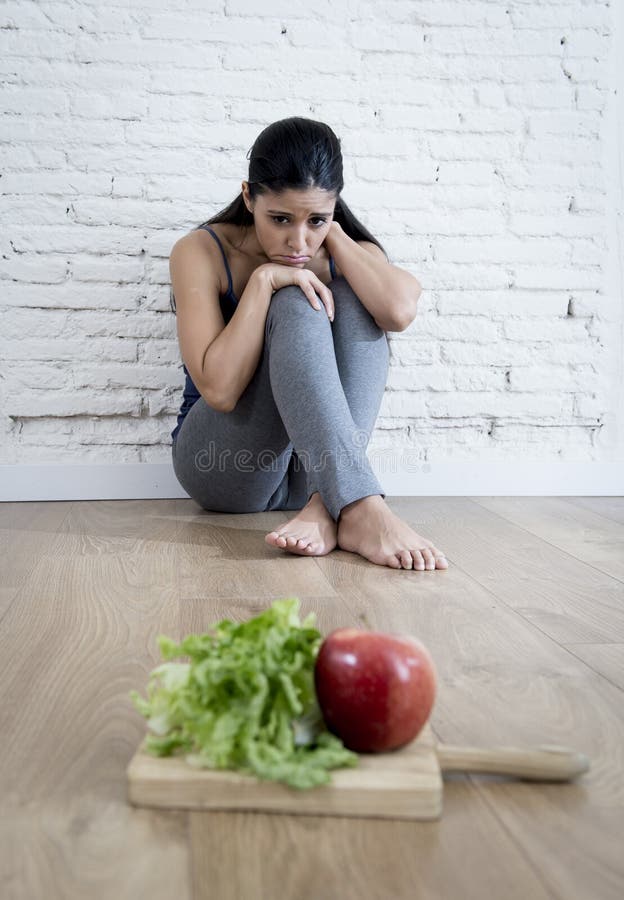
{"points": [[370, 528], [312, 532]]}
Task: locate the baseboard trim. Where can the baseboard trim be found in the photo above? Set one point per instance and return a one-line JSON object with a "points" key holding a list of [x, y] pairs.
{"points": [[444, 479]]}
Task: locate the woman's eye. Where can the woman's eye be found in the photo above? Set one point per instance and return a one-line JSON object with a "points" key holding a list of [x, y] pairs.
{"points": [[317, 221]]}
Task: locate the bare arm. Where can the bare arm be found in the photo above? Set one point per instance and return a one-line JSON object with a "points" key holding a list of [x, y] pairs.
{"points": [[221, 359], [233, 356], [389, 293]]}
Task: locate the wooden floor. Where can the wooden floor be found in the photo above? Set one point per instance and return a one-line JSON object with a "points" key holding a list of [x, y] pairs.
{"points": [[526, 628]]}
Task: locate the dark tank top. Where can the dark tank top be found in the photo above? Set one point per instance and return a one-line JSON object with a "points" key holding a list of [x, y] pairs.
{"points": [[228, 303]]}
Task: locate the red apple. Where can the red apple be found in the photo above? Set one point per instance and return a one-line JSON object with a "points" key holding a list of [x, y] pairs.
{"points": [[375, 690]]}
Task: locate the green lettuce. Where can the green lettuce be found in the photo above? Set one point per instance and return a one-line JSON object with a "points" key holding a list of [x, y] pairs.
{"points": [[245, 701]]}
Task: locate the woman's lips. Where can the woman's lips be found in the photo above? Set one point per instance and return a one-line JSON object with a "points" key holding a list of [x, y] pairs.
{"points": [[296, 258]]}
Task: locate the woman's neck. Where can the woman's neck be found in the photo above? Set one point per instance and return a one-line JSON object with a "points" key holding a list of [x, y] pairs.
{"points": [[244, 239]]}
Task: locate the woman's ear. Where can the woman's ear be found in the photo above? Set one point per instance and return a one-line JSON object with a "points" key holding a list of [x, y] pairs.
{"points": [[245, 193]]}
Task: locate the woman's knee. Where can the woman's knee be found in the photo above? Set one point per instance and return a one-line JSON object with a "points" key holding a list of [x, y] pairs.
{"points": [[292, 298], [292, 306], [288, 298]]}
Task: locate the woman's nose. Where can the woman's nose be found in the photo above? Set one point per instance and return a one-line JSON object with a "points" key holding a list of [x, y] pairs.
{"points": [[296, 240]]}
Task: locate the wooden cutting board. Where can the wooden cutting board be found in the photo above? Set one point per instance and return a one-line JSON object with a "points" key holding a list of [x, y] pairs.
{"points": [[403, 784]]}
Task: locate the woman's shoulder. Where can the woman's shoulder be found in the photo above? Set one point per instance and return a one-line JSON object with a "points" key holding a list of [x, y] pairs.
{"points": [[232, 239], [219, 228], [202, 235], [231, 236], [239, 264], [201, 238]]}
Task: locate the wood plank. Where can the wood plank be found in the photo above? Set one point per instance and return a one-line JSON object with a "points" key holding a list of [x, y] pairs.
{"points": [[589, 537], [608, 507], [91, 845], [466, 855], [574, 845], [567, 599], [227, 560], [606, 659], [16, 517], [117, 526], [78, 637], [7, 596], [26, 530]]}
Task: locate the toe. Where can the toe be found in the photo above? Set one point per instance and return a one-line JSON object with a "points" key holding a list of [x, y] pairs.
{"points": [[419, 562], [428, 558], [406, 559], [438, 557]]}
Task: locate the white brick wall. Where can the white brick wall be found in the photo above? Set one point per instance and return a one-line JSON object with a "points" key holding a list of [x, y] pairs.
{"points": [[479, 143]]}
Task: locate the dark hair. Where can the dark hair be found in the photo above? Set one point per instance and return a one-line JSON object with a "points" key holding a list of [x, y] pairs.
{"points": [[294, 153]]}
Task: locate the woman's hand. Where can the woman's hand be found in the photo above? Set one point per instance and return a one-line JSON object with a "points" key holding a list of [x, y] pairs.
{"points": [[281, 276], [335, 230]]}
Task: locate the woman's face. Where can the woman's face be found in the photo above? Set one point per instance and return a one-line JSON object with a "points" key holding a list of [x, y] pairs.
{"points": [[293, 223]]}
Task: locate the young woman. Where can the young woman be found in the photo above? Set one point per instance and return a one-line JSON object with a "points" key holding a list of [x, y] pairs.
{"points": [[282, 301]]}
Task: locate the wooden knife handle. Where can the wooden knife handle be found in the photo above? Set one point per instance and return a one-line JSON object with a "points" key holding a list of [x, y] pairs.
{"points": [[544, 763]]}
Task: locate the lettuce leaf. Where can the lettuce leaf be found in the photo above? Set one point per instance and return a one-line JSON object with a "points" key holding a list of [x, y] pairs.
{"points": [[245, 701]]}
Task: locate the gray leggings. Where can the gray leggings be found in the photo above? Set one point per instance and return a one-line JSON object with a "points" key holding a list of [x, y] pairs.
{"points": [[303, 422]]}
